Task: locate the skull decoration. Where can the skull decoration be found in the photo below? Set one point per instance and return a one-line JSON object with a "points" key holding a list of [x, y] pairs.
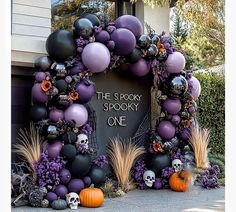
{"points": [[82, 139], [72, 200], [177, 165], [149, 177]]}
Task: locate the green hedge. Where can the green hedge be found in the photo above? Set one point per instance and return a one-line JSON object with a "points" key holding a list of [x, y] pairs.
{"points": [[211, 109]]}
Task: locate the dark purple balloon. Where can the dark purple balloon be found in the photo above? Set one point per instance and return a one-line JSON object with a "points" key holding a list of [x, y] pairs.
{"points": [[40, 76], [85, 92], [54, 149], [102, 37], [51, 196], [130, 22], [140, 68], [192, 110], [185, 134], [56, 115], [87, 181], [172, 106], [77, 68], [175, 119], [38, 94], [110, 44], [125, 41], [166, 130], [61, 191], [65, 176], [75, 185]]}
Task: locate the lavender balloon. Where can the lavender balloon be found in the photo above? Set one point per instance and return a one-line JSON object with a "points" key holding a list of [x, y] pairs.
{"points": [[54, 149], [96, 57], [65, 176], [75, 185], [56, 115], [130, 22], [61, 191], [175, 120], [40, 76], [175, 63], [140, 68], [194, 87], [76, 113], [102, 37], [38, 95], [125, 41], [172, 106], [166, 130], [85, 92]]}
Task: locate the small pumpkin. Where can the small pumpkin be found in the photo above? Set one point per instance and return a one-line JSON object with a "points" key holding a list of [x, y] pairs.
{"points": [[91, 197], [59, 204], [180, 181], [35, 197]]}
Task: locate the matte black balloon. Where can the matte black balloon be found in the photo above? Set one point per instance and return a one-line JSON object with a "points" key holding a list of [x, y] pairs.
{"points": [[134, 56], [38, 113], [176, 85], [69, 137], [152, 51], [155, 39], [52, 132], [83, 27], [157, 162], [97, 175], [60, 45], [80, 166], [61, 85], [68, 152], [144, 41], [93, 18], [43, 63]]}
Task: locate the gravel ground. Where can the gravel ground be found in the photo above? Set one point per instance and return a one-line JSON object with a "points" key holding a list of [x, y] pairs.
{"points": [[195, 200]]}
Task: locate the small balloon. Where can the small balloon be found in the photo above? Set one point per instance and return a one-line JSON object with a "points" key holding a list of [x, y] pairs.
{"points": [[194, 87], [140, 68], [38, 95], [38, 113], [43, 63], [144, 41], [102, 37], [93, 18], [175, 63], [85, 91], [155, 39], [135, 55], [166, 130], [40, 76], [61, 85], [56, 115], [172, 105], [151, 51], [83, 27]]}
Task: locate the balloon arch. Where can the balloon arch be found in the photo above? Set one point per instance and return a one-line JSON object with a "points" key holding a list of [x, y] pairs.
{"points": [[62, 87]]}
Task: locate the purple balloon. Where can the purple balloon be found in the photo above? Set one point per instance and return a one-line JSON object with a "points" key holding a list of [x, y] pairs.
{"points": [[140, 68], [130, 22], [76, 113], [175, 63], [175, 120], [166, 130], [85, 92], [185, 134], [61, 191], [125, 41], [40, 76], [38, 94], [54, 149], [75, 185], [110, 44], [77, 68], [172, 106], [102, 37], [68, 79], [192, 110], [64, 176], [87, 181], [194, 87], [51, 196], [96, 57], [56, 115]]}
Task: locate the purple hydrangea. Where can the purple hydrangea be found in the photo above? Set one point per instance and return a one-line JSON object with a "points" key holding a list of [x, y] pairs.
{"points": [[166, 172], [208, 177], [83, 149], [178, 155], [101, 161], [158, 183], [86, 129], [137, 175]]}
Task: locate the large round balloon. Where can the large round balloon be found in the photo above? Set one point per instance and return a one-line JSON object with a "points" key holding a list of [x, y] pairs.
{"points": [[56, 115], [172, 106], [76, 113], [61, 191], [38, 113], [140, 68], [135, 55], [76, 185], [93, 18], [130, 22], [102, 37], [166, 129], [175, 63], [80, 166], [43, 63], [194, 87], [83, 27], [60, 45], [54, 149], [125, 41], [176, 85], [85, 91], [38, 95], [96, 57], [97, 175]]}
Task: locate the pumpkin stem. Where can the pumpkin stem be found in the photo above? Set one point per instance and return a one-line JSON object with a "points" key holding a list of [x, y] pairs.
{"points": [[91, 186]]}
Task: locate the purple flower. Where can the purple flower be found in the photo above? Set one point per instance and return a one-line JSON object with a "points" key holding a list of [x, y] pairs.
{"points": [[83, 149], [158, 183], [97, 29], [86, 129], [101, 161], [142, 186], [137, 175], [110, 29], [166, 172]]}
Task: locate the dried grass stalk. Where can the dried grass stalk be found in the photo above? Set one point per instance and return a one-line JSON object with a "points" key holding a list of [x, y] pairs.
{"points": [[29, 145], [199, 140], [122, 155]]}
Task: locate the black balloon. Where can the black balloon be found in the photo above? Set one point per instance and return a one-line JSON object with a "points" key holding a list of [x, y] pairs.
{"points": [[43, 63], [60, 45], [83, 27], [61, 85], [80, 166], [61, 101], [38, 113], [176, 85], [97, 175], [68, 152], [151, 51], [144, 41], [52, 132], [93, 18], [157, 162], [155, 39], [69, 137], [134, 56]]}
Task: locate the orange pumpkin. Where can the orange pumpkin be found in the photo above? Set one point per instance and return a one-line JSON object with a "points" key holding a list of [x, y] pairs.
{"points": [[180, 181], [91, 197]]}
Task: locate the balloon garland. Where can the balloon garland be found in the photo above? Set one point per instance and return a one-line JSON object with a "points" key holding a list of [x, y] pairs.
{"points": [[63, 87]]}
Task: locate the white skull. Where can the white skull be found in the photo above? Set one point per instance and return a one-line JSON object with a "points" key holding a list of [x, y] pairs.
{"points": [[177, 165], [149, 177], [82, 139], [73, 200]]}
